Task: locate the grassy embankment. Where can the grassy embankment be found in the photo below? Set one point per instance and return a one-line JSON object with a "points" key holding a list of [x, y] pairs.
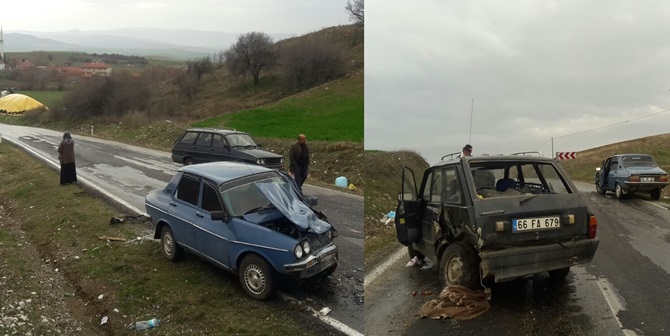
{"points": [[64, 222], [382, 183]]}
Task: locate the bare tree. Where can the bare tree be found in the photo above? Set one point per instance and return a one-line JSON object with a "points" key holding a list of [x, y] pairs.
{"points": [[356, 11], [310, 62], [251, 53], [219, 58], [200, 66]]}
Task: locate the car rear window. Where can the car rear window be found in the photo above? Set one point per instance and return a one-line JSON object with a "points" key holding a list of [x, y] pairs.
{"points": [[638, 161], [189, 138], [499, 179]]}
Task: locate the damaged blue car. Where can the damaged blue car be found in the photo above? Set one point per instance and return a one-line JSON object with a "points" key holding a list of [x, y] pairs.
{"points": [[247, 219]]}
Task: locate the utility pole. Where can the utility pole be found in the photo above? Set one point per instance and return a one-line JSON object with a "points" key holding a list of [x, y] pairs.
{"points": [[552, 148], [472, 106]]}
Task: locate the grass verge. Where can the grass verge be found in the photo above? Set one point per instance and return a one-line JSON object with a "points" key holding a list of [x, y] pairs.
{"points": [[190, 298], [382, 183]]}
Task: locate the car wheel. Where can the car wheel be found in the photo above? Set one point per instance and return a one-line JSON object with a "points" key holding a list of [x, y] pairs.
{"points": [[459, 265], [599, 189], [618, 191], [171, 249], [559, 274], [655, 194], [188, 161], [257, 277]]}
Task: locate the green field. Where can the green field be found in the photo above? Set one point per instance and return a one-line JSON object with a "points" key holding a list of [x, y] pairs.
{"points": [[331, 112], [48, 98]]}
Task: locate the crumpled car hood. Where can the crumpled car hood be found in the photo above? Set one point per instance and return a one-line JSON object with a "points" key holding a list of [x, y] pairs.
{"points": [[288, 203]]}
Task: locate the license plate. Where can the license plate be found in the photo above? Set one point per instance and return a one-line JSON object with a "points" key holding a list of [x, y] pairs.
{"points": [[647, 179], [534, 224]]}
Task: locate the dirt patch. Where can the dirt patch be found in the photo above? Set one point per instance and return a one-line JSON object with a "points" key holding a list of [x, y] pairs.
{"points": [[32, 299]]}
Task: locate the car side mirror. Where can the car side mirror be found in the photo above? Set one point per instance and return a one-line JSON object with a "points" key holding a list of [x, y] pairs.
{"points": [[311, 201], [259, 145], [219, 215], [405, 197], [597, 169]]}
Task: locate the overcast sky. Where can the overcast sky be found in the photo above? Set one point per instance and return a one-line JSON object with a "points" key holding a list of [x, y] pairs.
{"points": [[536, 70], [270, 16]]}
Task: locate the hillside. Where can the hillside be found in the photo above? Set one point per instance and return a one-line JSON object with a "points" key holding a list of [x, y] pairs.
{"points": [[382, 177], [331, 115]]}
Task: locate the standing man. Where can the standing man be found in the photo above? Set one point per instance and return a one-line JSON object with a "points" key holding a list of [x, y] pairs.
{"points": [[299, 160], [467, 151]]}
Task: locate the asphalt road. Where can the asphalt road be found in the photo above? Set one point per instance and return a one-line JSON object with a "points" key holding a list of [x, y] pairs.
{"points": [[624, 291], [130, 172]]}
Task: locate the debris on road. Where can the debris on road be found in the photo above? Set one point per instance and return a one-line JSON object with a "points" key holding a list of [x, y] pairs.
{"points": [[118, 219], [104, 320], [325, 311], [120, 239], [456, 302]]}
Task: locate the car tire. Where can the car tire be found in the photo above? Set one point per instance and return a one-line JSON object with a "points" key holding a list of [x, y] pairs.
{"points": [[618, 191], [559, 274], [257, 277], [655, 194], [599, 189], [459, 265], [171, 249], [188, 161]]}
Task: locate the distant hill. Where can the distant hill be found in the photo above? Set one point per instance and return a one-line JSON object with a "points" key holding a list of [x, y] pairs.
{"points": [[172, 43]]}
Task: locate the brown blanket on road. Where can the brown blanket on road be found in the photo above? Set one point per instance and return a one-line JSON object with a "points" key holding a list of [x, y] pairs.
{"points": [[456, 302]]}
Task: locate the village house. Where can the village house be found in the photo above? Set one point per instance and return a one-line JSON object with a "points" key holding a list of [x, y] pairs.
{"points": [[96, 68]]}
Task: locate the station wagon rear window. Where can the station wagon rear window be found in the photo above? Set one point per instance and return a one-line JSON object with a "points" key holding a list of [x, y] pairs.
{"points": [[503, 179]]}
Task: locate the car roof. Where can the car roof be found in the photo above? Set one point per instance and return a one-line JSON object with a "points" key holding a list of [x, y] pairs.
{"points": [[497, 158], [215, 130], [223, 171], [631, 154]]}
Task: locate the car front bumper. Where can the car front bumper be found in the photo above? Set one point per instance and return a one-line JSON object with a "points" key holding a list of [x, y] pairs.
{"points": [[515, 262], [314, 264]]}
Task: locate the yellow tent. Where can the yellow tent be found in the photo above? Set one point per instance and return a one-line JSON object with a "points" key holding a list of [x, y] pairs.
{"points": [[17, 103]]}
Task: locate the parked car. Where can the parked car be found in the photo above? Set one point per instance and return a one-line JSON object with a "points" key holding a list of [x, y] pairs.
{"points": [[246, 219], [629, 173], [495, 218], [198, 145]]}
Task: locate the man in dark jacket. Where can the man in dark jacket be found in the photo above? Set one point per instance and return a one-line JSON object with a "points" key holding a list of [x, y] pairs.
{"points": [[299, 160]]}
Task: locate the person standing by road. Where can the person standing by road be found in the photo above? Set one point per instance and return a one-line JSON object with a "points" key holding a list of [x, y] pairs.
{"points": [[68, 172], [299, 160], [467, 151]]}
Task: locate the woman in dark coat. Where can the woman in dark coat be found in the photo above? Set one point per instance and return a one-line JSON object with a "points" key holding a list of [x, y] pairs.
{"points": [[68, 172]]}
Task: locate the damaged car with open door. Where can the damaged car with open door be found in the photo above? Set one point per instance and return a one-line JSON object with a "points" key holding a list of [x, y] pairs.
{"points": [[495, 218], [247, 219]]}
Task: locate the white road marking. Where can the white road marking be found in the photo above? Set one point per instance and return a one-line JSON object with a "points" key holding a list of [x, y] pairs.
{"points": [[326, 319], [613, 302], [379, 270]]}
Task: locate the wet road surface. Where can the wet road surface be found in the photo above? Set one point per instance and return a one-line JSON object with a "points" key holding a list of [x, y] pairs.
{"points": [[624, 291], [130, 172]]}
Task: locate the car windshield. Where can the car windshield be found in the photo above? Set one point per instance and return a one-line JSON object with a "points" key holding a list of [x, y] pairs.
{"points": [[248, 198], [497, 179], [241, 140], [630, 161]]}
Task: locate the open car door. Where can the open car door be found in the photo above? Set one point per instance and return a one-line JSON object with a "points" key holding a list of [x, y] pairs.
{"points": [[409, 210]]}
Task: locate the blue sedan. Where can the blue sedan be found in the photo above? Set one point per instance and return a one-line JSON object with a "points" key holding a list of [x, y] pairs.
{"points": [[246, 219], [629, 173]]}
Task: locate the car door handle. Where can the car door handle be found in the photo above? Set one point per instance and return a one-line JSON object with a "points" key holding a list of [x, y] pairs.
{"points": [[173, 204], [200, 214]]}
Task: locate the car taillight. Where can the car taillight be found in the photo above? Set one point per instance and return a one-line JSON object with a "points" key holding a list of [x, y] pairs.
{"points": [[634, 178], [663, 178], [593, 227]]}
